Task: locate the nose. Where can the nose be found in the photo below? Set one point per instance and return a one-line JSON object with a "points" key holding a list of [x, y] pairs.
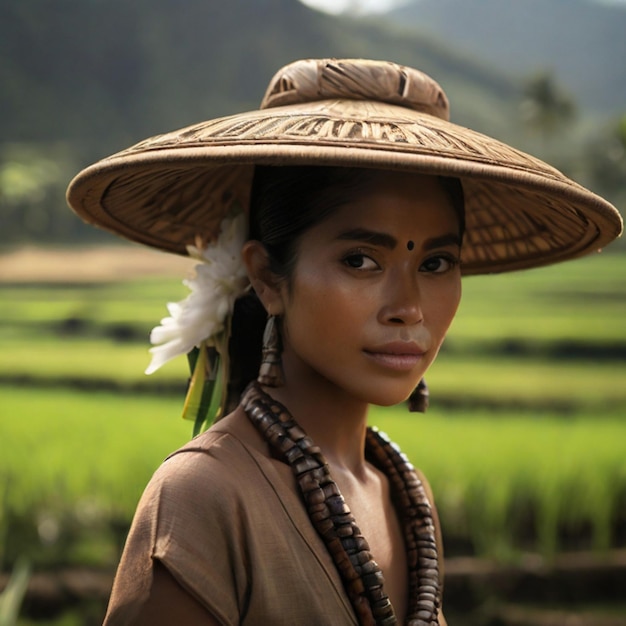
{"points": [[401, 302]]}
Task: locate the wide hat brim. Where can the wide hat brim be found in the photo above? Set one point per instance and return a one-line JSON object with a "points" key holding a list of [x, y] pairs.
{"points": [[174, 189]]}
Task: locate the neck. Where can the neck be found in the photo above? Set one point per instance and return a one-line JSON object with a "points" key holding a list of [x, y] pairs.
{"points": [[335, 420]]}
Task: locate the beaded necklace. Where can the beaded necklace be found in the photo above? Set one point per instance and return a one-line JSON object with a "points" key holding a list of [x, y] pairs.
{"points": [[331, 517]]}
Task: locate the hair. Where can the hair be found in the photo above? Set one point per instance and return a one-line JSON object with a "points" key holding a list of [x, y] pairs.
{"points": [[285, 202]]}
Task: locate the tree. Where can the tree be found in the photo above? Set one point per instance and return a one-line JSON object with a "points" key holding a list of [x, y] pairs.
{"points": [[33, 178], [545, 106], [606, 156]]}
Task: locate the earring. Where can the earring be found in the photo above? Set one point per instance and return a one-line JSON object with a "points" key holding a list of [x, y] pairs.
{"points": [[271, 370], [418, 400]]}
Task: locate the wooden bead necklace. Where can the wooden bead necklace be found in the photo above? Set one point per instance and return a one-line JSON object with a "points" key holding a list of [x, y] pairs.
{"points": [[331, 517]]}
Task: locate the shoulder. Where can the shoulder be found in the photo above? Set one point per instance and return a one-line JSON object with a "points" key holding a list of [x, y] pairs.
{"points": [[231, 444], [191, 519], [225, 463]]}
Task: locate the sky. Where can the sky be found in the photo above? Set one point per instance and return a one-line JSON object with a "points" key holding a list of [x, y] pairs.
{"points": [[376, 6], [365, 6]]}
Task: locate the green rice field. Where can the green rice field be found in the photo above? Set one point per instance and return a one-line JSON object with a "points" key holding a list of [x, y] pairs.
{"points": [[84, 457], [524, 443]]}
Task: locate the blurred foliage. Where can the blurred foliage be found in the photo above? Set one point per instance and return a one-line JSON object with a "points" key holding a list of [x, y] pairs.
{"points": [[606, 157], [12, 595], [32, 185], [545, 106]]}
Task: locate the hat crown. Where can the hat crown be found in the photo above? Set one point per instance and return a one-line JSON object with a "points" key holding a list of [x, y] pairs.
{"points": [[312, 80]]}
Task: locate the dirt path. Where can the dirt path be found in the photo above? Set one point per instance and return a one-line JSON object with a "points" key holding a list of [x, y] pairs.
{"points": [[89, 264]]}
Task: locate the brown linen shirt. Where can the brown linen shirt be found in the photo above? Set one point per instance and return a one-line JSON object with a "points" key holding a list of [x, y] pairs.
{"points": [[226, 520]]}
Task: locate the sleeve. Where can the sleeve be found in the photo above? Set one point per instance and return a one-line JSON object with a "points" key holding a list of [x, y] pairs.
{"points": [[187, 519]]}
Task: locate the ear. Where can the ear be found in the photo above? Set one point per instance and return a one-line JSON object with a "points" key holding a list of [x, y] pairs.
{"points": [[265, 283]]}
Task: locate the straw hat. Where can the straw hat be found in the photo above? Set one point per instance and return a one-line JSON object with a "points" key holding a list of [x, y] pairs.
{"points": [[169, 189]]}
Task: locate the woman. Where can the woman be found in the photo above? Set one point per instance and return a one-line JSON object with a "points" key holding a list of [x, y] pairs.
{"points": [[364, 207]]}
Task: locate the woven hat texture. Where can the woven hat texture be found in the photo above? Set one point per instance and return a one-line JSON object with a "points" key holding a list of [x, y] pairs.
{"points": [[170, 189]]}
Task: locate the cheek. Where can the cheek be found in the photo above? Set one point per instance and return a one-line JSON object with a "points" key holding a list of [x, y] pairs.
{"points": [[321, 308], [454, 297], [455, 301], [445, 300]]}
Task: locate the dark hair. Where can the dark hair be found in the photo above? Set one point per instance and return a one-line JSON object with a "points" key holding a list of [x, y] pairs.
{"points": [[288, 201], [285, 203]]}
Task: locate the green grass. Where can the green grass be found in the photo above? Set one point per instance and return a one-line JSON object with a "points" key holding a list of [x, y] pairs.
{"points": [[83, 458], [489, 470], [61, 447], [72, 461], [580, 383], [140, 302], [583, 300], [84, 358], [526, 381]]}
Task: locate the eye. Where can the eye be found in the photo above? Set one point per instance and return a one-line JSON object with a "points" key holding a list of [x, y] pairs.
{"points": [[439, 264], [360, 261]]}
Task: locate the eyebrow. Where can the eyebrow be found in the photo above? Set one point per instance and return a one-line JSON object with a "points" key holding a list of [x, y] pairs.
{"points": [[388, 241], [451, 239], [369, 236]]}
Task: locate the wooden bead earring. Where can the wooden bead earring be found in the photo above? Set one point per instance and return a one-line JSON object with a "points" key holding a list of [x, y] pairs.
{"points": [[418, 400], [271, 371]]}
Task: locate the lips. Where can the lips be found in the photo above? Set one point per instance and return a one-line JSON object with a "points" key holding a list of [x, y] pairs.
{"points": [[398, 355]]}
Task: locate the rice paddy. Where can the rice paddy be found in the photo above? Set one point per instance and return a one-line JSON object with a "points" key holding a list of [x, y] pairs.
{"points": [[524, 443]]}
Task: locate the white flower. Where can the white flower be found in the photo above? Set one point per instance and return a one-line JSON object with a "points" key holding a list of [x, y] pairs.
{"points": [[219, 280]]}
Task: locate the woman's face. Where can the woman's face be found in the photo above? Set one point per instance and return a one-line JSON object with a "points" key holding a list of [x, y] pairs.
{"points": [[374, 290]]}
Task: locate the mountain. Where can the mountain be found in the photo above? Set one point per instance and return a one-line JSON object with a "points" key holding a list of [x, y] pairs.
{"points": [[80, 79], [581, 41], [101, 74]]}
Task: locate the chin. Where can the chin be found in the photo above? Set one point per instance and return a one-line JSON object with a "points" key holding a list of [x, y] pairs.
{"points": [[382, 391], [390, 399], [388, 404]]}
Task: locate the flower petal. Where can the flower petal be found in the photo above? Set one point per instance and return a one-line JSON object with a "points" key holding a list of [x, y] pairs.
{"points": [[219, 280]]}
